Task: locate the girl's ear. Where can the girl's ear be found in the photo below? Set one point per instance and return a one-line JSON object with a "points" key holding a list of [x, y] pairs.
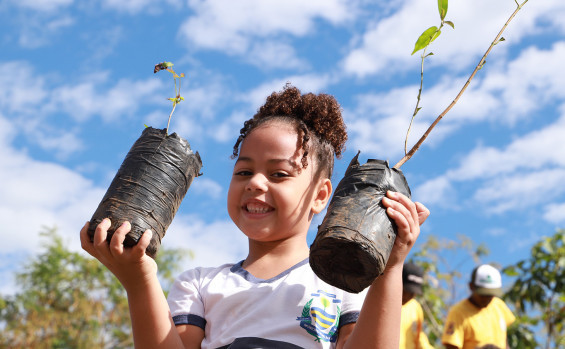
{"points": [[323, 195]]}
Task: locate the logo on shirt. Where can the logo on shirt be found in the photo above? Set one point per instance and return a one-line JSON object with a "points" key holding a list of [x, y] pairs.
{"points": [[450, 328], [320, 316]]}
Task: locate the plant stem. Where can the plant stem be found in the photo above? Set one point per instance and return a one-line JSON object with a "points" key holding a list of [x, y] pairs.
{"points": [[416, 108], [169, 121], [416, 146]]}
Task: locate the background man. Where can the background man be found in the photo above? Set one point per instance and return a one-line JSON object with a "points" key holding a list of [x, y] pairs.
{"points": [[480, 320], [412, 316]]}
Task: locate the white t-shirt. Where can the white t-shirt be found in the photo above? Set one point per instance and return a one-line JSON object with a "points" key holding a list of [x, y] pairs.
{"points": [[293, 309]]}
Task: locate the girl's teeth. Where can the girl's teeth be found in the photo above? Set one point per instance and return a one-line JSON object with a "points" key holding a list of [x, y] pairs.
{"points": [[255, 208]]}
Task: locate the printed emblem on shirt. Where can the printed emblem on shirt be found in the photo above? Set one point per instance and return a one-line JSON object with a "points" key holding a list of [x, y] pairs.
{"points": [[450, 328], [320, 316]]}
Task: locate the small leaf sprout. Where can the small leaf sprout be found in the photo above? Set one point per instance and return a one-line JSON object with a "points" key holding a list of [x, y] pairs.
{"points": [[177, 97]]}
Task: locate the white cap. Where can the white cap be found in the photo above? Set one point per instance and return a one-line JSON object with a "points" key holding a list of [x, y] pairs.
{"points": [[487, 280]]}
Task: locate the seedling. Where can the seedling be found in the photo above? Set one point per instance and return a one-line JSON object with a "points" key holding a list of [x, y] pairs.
{"points": [[425, 39], [177, 97]]}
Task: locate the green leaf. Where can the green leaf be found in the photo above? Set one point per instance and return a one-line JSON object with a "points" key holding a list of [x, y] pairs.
{"points": [[435, 36], [442, 7], [425, 39], [450, 23]]}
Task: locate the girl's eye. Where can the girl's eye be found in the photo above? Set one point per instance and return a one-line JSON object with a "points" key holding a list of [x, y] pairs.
{"points": [[279, 174], [243, 173]]}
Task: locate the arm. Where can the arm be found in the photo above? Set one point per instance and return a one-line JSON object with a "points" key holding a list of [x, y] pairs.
{"points": [[152, 325], [378, 325]]}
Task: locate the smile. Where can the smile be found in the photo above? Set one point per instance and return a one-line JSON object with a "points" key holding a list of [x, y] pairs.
{"points": [[255, 207]]}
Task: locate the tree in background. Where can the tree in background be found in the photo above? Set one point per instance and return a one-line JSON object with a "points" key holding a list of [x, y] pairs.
{"points": [[538, 295], [67, 300], [442, 260]]}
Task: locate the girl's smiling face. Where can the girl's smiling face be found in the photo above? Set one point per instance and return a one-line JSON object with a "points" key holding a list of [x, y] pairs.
{"points": [[271, 196]]}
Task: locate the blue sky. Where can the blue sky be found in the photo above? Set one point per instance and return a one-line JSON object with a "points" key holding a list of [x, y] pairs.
{"points": [[77, 87]]}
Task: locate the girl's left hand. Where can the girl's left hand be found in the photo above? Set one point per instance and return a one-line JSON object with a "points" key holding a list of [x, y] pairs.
{"points": [[408, 216]]}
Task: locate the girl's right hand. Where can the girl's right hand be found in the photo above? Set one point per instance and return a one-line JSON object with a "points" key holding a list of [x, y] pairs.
{"points": [[130, 265]]}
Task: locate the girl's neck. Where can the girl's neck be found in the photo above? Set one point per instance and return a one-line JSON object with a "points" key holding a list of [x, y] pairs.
{"points": [[267, 260]]}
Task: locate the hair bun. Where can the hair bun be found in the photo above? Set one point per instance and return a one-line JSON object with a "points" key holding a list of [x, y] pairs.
{"points": [[321, 113]]}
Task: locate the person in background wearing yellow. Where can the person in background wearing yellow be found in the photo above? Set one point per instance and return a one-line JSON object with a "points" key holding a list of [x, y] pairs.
{"points": [[412, 335], [479, 321]]}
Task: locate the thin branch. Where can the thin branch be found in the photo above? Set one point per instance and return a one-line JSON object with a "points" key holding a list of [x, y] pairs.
{"points": [[477, 68], [416, 108]]}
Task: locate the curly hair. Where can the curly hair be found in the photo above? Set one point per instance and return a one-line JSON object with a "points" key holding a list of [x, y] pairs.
{"points": [[316, 118]]}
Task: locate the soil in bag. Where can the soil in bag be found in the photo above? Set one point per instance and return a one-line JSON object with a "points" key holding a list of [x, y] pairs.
{"points": [[355, 238], [149, 187]]}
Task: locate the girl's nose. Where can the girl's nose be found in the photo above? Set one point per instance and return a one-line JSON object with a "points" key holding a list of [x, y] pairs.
{"points": [[257, 182]]}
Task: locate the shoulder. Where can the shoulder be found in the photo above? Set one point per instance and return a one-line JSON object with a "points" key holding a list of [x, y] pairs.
{"points": [[461, 305], [502, 308], [498, 302], [203, 273], [460, 310]]}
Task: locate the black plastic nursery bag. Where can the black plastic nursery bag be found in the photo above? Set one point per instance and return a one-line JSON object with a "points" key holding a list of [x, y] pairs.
{"points": [[355, 239], [149, 187]]}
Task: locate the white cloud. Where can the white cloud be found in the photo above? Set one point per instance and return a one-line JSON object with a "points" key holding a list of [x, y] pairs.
{"points": [[207, 187], [555, 213], [528, 171], [213, 243], [35, 194], [521, 190], [530, 81], [136, 6], [21, 88], [33, 101], [533, 151], [505, 96], [437, 191], [38, 194], [86, 99], [386, 45], [379, 123], [232, 26], [38, 29], [272, 55]]}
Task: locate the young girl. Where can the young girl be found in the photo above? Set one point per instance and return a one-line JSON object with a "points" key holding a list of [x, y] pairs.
{"points": [[271, 299]]}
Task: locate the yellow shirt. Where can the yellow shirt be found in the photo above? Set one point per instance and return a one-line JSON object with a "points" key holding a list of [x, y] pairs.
{"points": [[411, 320], [470, 327]]}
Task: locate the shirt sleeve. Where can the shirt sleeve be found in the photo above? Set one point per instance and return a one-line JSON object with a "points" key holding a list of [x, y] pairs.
{"points": [[351, 307], [453, 332], [185, 301], [508, 315]]}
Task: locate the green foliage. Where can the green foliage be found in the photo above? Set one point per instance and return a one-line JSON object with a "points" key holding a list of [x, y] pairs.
{"points": [[538, 291], [426, 38], [66, 300], [432, 33]]}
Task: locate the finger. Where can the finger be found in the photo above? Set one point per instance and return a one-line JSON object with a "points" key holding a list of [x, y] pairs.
{"points": [[144, 241], [399, 219], [395, 202], [85, 242], [406, 202], [117, 242], [101, 232], [423, 212]]}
